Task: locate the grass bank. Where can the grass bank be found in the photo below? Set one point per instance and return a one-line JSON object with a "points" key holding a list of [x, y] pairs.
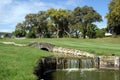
{"points": [[17, 63]]}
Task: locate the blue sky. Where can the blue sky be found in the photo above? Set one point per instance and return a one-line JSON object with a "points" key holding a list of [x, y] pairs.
{"points": [[14, 11]]}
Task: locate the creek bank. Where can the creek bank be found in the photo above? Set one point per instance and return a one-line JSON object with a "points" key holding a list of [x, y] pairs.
{"points": [[103, 62]]}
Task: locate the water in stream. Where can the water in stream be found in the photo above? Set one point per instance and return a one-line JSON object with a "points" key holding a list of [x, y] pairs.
{"points": [[72, 69], [83, 75]]}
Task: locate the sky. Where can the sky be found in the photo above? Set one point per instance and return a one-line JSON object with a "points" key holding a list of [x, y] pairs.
{"points": [[14, 11]]}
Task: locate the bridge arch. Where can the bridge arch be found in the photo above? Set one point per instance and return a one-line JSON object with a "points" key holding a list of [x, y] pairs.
{"points": [[45, 49], [43, 46]]}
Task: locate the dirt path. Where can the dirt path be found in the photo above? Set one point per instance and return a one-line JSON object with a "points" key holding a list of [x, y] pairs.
{"points": [[13, 43]]}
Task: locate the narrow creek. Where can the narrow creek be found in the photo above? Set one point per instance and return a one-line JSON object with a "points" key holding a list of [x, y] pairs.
{"points": [[60, 68]]}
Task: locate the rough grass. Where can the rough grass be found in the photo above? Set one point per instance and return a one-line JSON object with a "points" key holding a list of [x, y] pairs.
{"points": [[17, 63]]}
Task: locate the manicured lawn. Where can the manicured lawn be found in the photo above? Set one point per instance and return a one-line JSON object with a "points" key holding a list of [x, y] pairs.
{"points": [[17, 63], [102, 46]]}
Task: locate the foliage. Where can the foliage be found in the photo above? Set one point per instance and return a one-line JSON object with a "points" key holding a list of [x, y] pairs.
{"points": [[86, 16], [19, 33], [89, 16], [20, 30], [100, 33], [31, 35], [60, 22], [7, 35], [36, 23], [60, 19], [91, 31], [113, 17], [21, 26]]}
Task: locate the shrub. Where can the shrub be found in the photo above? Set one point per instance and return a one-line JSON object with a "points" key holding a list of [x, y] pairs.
{"points": [[19, 33], [31, 35]]}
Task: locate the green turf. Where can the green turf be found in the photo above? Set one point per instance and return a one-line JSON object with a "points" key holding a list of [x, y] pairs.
{"points": [[102, 46], [17, 63]]}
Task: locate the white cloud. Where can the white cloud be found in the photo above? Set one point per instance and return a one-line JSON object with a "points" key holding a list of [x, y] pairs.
{"points": [[14, 11], [73, 2]]}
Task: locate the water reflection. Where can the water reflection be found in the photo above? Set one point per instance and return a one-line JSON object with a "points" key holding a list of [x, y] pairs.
{"points": [[83, 75]]}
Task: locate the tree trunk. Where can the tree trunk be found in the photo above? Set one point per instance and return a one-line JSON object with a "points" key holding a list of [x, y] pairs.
{"points": [[85, 30], [58, 33], [67, 33], [84, 35]]}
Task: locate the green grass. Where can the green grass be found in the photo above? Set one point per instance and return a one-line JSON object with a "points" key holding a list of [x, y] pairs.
{"points": [[17, 63], [102, 46]]}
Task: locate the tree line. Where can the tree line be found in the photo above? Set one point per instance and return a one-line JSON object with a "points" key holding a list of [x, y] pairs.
{"points": [[61, 23], [113, 17]]}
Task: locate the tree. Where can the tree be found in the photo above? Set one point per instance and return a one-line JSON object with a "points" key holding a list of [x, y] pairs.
{"points": [[89, 15], [6, 35], [20, 30], [85, 16], [21, 26], [31, 35], [59, 22], [91, 32], [50, 28], [113, 17], [59, 17], [36, 23], [19, 33], [75, 21]]}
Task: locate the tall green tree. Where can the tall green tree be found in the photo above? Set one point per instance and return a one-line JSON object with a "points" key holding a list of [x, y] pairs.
{"points": [[75, 21], [21, 26], [20, 30], [113, 17], [59, 17], [36, 23], [19, 33], [85, 16], [89, 15]]}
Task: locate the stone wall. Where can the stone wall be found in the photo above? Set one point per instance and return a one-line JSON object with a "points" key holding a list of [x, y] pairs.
{"points": [[109, 62], [72, 52], [102, 62]]}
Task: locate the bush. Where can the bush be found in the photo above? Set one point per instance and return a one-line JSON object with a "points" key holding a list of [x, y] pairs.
{"points": [[7, 35], [100, 33], [19, 33], [31, 35]]}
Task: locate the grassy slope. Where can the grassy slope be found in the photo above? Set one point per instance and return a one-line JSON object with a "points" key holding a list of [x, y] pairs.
{"points": [[17, 63]]}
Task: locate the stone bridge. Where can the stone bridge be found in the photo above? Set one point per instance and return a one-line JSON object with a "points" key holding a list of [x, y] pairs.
{"points": [[64, 51], [42, 46]]}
